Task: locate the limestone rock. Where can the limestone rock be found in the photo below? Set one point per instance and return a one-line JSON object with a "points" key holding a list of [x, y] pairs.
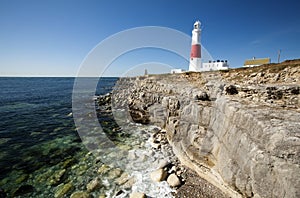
{"points": [[137, 195], [79, 194], [158, 175], [103, 169], [63, 189], [248, 134], [128, 184], [114, 173], [56, 177], [122, 179], [173, 180], [92, 185], [163, 163]]}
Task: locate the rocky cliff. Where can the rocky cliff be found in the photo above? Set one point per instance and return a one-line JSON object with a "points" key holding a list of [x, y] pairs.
{"points": [[238, 129]]}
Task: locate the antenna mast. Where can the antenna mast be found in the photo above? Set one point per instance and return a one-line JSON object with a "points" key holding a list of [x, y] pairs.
{"points": [[279, 52]]}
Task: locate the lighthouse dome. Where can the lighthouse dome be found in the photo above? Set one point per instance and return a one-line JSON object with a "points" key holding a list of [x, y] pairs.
{"points": [[197, 25]]}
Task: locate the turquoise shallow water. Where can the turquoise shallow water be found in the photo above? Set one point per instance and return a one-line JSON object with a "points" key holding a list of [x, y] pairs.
{"points": [[38, 139]]}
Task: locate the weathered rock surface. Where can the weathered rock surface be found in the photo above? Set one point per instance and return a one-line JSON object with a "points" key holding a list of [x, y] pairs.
{"points": [[239, 130], [158, 175]]}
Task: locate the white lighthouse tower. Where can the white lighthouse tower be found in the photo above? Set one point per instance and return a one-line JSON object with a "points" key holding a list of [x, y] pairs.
{"points": [[195, 58]]}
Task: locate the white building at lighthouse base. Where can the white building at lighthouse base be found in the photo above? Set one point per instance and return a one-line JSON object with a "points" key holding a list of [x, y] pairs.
{"points": [[214, 65]]}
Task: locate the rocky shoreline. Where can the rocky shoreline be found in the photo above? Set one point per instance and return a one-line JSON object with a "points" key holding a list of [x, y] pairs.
{"points": [[168, 169], [238, 129]]}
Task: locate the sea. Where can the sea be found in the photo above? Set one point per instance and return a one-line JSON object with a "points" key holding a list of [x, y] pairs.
{"points": [[41, 153]]}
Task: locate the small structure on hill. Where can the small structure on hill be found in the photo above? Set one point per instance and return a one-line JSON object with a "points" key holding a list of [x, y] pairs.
{"points": [[175, 71], [256, 62]]}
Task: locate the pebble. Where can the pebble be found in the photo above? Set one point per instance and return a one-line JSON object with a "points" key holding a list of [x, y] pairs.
{"points": [[158, 175], [173, 180], [137, 195], [56, 177], [129, 183], [114, 173], [63, 189], [103, 169], [122, 179], [92, 185], [80, 194]]}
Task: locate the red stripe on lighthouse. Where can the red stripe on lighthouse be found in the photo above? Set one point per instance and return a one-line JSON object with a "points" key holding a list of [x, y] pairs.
{"points": [[196, 51]]}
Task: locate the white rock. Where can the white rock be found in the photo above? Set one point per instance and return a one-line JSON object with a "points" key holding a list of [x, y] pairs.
{"points": [[158, 175], [173, 180]]}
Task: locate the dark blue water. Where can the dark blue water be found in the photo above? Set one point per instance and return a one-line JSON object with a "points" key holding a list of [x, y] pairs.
{"points": [[34, 115]]}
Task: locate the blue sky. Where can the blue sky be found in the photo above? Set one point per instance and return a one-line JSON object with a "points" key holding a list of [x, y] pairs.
{"points": [[52, 38]]}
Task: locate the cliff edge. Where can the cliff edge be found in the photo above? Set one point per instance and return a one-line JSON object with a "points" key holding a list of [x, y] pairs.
{"points": [[238, 129]]}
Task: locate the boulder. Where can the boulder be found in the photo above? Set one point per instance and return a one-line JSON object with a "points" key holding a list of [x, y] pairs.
{"points": [[158, 175], [173, 180]]}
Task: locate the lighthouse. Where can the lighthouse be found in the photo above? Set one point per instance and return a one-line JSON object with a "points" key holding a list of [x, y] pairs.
{"points": [[195, 57]]}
